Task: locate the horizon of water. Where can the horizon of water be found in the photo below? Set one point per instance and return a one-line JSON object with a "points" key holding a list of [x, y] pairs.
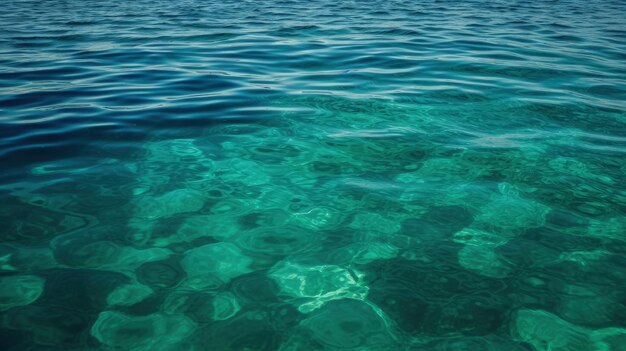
{"points": [[313, 175]]}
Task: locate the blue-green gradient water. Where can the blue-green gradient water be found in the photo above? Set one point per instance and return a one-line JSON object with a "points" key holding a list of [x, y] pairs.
{"points": [[312, 175]]}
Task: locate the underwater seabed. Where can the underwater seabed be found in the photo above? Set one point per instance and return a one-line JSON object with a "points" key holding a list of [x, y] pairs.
{"points": [[232, 245]]}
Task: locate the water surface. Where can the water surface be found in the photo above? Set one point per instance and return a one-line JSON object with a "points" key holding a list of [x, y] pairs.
{"points": [[312, 175]]}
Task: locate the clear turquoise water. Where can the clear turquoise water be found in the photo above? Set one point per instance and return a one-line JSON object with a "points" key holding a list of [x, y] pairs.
{"points": [[313, 175]]}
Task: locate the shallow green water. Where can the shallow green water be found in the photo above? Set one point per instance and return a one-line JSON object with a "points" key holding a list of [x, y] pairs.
{"points": [[322, 175]]}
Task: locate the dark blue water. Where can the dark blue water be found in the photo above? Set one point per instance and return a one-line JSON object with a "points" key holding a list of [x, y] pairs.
{"points": [[313, 175]]}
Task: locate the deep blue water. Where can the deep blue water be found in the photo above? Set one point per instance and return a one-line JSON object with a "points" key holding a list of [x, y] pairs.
{"points": [[313, 175]]}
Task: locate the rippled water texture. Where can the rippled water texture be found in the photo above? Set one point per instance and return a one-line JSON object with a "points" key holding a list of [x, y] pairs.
{"points": [[312, 175]]}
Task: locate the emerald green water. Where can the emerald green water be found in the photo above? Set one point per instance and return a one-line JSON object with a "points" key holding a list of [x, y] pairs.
{"points": [[322, 175]]}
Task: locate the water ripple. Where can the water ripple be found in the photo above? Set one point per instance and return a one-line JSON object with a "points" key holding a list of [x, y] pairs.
{"points": [[449, 172]]}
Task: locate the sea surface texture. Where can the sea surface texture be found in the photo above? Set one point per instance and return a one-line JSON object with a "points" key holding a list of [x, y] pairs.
{"points": [[312, 175]]}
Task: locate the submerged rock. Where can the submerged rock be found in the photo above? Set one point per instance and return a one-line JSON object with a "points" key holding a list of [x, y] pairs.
{"points": [[547, 332], [19, 290], [225, 306], [214, 264], [129, 294], [479, 253], [313, 286], [153, 332], [350, 324], [510, 214]]}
